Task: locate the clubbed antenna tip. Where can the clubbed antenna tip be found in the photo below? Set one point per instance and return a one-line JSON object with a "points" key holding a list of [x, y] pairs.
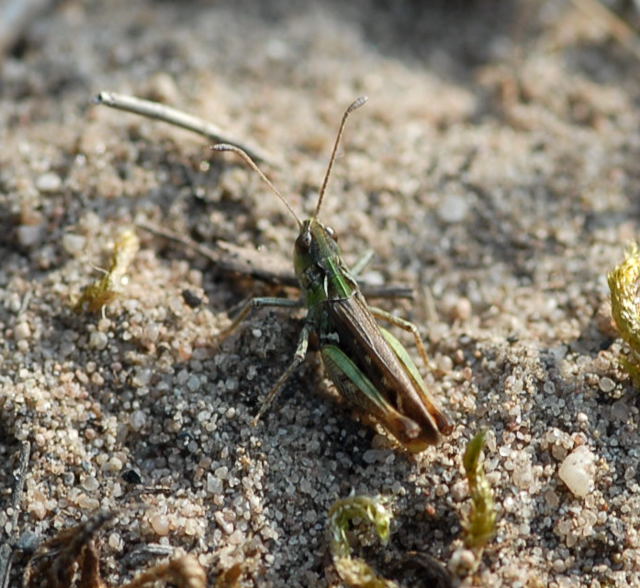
{"points": [[223, 147], [357, 103]]}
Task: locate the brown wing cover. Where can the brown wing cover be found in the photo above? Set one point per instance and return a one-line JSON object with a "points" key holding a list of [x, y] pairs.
{"points": [[362, 340]]}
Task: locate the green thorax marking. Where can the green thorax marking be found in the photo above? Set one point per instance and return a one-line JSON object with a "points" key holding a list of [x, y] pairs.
{"points": [[319, 266]]}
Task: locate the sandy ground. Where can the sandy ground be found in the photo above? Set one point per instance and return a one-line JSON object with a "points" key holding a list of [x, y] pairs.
{"points": [[494, 169]]}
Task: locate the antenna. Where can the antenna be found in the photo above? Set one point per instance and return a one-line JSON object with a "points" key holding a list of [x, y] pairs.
{"points": [[252, 164], [357, 103]]}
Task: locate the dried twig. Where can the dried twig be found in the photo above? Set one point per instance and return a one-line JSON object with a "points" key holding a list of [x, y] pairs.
{"points": [[177, 118], [617, 28], [232, 258], [53, 564], [185, 572], [254, 264], [71, 558]]}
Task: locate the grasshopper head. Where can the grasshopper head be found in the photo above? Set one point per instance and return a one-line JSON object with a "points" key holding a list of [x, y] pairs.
{"points": [[316, 255], [315, 249]]}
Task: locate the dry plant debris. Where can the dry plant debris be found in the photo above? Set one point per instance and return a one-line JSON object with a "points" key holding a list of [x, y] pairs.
{"points": [[102, 292], [71, 558], [624, 283], [175, 117]]}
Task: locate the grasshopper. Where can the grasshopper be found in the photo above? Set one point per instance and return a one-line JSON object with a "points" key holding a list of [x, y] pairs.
{"points": [[368, 365]]}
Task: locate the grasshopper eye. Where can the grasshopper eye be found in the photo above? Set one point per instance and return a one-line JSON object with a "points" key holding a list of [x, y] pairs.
{"points": [[332, 233]]}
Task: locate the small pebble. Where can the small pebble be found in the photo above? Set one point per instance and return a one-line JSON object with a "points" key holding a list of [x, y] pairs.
{"points": [[132, 477], [191, 299], [371, 456], [138, 420], [459, 491], [73, 244], [462, 560], [190, 527], [29, 235], [444, 363], [225, 525], [90, 484], [551, 498], [606, 384], [162, 88], [193, 383], [462, 309], [49, 182], [28, 542], [22, 331], [620, 410], [523, 476], [559, 452], [214, 485], [114, 465], [559, 566], [160, 524], [38, 510], [98, 340], [578, 471], [142, 377], [115, 542], [453, 209], [87, 502], [222, 472]]}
